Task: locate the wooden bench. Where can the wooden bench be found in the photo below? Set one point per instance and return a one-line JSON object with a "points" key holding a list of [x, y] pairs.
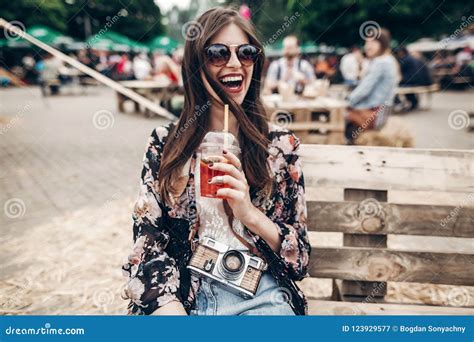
{"points": [[389, 205], [315, 121], [155, 91], [419, 90]]}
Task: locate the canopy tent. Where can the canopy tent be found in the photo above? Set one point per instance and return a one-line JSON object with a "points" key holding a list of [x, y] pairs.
{"points": [[43, 33], [276, 49], [113, 41], [163, 43], [428, 44]]}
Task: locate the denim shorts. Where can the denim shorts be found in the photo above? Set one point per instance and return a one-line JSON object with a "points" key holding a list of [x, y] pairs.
{"points": [[212, 300]]}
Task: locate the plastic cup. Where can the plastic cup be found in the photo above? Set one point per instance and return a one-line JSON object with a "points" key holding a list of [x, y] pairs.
{"points": [[211, 151]]}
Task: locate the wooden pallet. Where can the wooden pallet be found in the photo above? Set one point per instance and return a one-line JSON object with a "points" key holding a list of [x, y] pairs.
{"points": [[369, 193]]}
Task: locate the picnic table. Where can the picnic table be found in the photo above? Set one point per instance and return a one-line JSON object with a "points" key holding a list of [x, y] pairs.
{"points": [[317, 120], [156, 91]]}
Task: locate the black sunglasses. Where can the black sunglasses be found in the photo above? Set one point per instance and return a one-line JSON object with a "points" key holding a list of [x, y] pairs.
{"points": [[219, 54]]}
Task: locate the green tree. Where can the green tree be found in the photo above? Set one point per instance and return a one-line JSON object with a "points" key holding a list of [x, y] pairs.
{"points": [[32, 12], [338, 21], [137, 19]]}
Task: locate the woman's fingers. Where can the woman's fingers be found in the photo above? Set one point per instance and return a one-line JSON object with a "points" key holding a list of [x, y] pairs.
{"points": [[229, 169], [229, 180], [229, 193], [232, 158]]}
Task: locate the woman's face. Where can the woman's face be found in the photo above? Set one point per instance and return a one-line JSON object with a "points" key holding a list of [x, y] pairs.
{"points": [[372, 48], [232, 36]]}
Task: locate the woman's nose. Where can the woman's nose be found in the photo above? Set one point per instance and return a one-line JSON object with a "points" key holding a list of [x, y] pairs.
{"points": [[233, 61]]}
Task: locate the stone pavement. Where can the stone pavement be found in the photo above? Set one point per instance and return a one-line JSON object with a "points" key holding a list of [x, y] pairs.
{"points": [[61, 153]]}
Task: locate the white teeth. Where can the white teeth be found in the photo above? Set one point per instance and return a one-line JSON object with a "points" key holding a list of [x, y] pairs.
{"points": [[231, 78]]}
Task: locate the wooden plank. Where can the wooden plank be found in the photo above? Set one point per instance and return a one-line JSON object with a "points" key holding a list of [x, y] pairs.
{"points": [[433, 197], [369, 203], [372, 264], [418, 89], [374, 217], [359, 291], [315, 125], [324, 307], [387, 168]]}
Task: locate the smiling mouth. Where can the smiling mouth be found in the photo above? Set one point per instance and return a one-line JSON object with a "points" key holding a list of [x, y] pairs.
{"points": [[232, 83]]}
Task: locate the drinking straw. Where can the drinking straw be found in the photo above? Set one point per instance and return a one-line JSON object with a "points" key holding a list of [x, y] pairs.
{"points": [[226, 123]]}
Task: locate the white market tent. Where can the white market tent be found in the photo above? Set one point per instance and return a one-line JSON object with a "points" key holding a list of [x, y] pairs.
{"points": [[428, 44]]}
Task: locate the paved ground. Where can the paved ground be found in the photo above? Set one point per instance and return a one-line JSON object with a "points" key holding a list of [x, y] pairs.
{"points": [[55, 157], [443, 126], [69, 169]]}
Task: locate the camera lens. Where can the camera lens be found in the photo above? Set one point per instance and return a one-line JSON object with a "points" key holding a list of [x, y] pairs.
{"points": [[233, 261]]}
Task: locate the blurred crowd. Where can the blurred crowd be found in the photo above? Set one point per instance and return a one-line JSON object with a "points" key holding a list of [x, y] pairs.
{"points": [[47, 69], [371, 74]]}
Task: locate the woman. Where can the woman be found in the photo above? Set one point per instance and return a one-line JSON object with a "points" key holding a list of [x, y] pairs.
{"points": [[371, 101], [265, 195]]}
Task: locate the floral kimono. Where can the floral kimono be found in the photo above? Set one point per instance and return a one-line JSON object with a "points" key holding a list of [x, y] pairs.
{"points": [[156, 268]]}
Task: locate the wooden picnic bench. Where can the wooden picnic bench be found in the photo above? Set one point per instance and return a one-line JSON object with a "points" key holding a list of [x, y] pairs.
{"points": [[156, 91], [315, 121], [419, 90], [374, 197]]}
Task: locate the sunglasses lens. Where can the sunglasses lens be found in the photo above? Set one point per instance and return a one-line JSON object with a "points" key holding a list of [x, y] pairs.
{"points": [[247, 54], [218, 54]]}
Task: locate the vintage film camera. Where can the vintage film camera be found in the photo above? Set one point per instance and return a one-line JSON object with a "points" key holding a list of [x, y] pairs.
{"points": [[231, 269]]}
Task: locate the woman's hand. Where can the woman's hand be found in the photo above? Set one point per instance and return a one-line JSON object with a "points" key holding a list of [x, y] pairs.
{"points": [[237, 195], [242, 207]]}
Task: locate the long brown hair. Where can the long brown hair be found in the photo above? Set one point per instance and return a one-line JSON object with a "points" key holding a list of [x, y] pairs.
{"points": [[194, 120]]}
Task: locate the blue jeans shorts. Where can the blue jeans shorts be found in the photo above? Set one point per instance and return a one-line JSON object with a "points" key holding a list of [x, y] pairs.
{"points": [[212, 300]]}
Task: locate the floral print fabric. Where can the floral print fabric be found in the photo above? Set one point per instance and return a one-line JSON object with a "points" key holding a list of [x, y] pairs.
{"points": [[156, 271]]}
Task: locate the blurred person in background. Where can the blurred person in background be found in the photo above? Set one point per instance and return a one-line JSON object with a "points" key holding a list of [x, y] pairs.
{"points": [[371, 101], [325, 66], [82, 56], [28, 64], [49, 74], [414, 73], [102, 65], [290, 69], [141, 67], [351, 67], [167, 70], [124, 68], [463, 67]]}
